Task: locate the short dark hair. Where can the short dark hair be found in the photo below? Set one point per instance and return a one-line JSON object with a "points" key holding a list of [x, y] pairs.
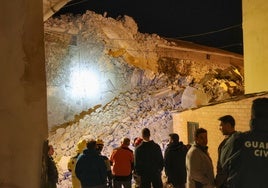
{"points": [[228, 119], [146, 133], [200, 131], [174, 137], [260, 108]]}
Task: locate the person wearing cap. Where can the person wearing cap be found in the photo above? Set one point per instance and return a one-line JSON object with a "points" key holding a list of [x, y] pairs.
{"points": [[137, 141], [90, 168], [72, 162], [149, 162], [227, 127], [174, 160], [249, 162], [137, 179], [100, 145], [122, 160]]}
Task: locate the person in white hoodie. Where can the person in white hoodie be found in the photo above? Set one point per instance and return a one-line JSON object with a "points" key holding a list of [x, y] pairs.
{"points": [[199, 165]]}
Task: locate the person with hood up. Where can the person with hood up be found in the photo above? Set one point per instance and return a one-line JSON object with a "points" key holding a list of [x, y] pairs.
{"points": [[148, 162], [90, 168], [174, 160], [72, 162], [249, 163]]}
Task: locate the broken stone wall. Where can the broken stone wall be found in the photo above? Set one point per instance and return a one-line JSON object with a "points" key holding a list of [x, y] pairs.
{"points": [[120, 56]]}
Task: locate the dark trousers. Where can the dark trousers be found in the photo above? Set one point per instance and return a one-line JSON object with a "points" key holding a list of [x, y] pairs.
{"points": [[153, 180], [119, 184]]}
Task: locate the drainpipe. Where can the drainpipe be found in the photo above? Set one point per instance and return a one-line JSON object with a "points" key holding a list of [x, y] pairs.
{"points": [[52, 9]]}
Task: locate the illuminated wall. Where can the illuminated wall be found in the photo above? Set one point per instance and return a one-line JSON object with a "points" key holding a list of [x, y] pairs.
{"points": [[207, 117], [255, 33], [23, 114]]}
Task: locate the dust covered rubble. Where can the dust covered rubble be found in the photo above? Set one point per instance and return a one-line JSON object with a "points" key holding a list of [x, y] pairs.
{"points": [[149, 105]]}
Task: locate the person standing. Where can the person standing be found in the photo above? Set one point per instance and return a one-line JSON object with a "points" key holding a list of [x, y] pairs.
{"points": [[90, 168], [100, 145], [137, 179], [249, 162], [52, 172], [148, 162], [227, 127], [122, 160], [72, 162], [198, 163], [174, 160]]}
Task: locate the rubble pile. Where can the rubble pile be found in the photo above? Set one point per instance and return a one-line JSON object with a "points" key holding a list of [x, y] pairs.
{"points": [[138, 95]]}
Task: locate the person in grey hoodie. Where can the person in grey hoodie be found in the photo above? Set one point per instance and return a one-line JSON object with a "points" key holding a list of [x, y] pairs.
{"points": [[199, 164]]}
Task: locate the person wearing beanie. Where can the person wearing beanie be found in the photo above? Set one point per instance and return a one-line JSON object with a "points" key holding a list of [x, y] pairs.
{"points": [[137, 142], [227, 127], [81, 145], [137, 179], [249, 161]]}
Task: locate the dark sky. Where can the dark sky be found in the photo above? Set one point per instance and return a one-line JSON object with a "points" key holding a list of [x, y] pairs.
{"points": [[215, 23]]}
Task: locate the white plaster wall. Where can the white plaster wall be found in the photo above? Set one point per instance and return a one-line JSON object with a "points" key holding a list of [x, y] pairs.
{"points": [[255, 29], [23, 93]]}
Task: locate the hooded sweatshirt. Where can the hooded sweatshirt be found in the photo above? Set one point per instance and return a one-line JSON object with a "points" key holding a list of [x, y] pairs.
{"points": [[91, 169], [174, 160]]}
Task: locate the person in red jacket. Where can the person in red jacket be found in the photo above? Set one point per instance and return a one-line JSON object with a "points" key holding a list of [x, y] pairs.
{"points": [[122, 160]]}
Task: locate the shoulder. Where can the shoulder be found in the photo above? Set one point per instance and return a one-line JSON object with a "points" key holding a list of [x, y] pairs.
{"points": [[194, 151]]}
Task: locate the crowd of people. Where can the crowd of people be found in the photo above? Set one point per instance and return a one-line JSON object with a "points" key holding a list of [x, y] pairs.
{"points": [[242, 159]]}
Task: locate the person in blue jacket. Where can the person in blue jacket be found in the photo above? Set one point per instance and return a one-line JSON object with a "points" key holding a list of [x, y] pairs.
{"points": [[90, 167]]}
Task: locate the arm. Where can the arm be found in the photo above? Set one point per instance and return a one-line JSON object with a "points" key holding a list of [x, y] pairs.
{"points": [[167, 162]]}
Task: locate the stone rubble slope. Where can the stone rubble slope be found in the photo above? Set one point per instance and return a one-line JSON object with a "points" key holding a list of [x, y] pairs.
{"points": [[96, 42], [144, 106], [146, 100]]}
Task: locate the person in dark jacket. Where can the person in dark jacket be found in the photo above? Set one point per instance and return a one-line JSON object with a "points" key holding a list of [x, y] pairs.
{"points": [[174, 160], [227, 127], [148, 162], [100, 145], [249, 162], [90, 168], [52, 172]]}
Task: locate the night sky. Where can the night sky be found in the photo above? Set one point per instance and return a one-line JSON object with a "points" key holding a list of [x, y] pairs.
{"points": [[215, 23]]}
